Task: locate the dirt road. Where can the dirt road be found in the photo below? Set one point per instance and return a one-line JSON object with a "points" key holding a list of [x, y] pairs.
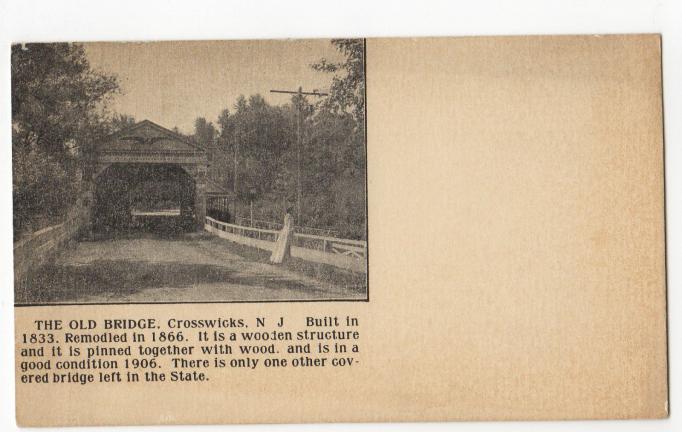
{"points": [[188, 269]]}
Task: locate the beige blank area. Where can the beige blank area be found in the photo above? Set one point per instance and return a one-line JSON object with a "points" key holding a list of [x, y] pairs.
{"points": [[516, 251], [517, 219]]}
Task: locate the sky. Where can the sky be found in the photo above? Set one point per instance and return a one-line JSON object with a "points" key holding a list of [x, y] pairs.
{"points": [[173, 83]]}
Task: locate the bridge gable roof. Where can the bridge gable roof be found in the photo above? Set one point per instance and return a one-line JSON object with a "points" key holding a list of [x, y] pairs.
{"points": [[147, 136]]}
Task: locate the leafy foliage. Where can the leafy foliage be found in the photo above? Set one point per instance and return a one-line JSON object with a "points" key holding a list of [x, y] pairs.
{"points": [[260, 134], [118, 122], [58, 110], [347, 93], [264, 138], [204, 133]]}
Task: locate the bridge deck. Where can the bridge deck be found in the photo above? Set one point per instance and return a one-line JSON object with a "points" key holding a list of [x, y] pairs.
{"points": [[193, 268]]}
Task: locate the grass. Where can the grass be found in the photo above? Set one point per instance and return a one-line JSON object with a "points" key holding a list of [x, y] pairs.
{"points": [[340, 277]]}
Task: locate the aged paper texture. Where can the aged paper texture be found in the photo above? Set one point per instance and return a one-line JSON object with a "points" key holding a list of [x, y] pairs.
{"points": [[408, 230]]}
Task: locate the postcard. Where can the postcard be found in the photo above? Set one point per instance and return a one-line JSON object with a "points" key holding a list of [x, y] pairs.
{"points": [[339, 230]]}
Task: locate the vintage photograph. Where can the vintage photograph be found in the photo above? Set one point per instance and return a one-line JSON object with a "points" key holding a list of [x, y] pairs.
{"points": [[203, 171]]}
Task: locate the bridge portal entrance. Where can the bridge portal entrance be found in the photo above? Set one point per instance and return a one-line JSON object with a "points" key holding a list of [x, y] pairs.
{"points": [[143, 197], [147, 175]]}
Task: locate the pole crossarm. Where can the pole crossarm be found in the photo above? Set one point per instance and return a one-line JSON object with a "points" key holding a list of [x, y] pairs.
{"points": [[313, 93]]}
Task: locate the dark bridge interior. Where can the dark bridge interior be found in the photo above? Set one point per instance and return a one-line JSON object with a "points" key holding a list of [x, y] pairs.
{"points": [[133, 198]]}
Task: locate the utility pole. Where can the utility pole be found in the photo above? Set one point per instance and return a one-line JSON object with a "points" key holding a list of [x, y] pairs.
{"points": [[299, 141], [236, 168], [236, 155]]}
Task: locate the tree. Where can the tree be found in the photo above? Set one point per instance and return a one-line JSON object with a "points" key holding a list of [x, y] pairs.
{"points": [[347, 98], [347, 92], [204, 133], [337, 140], [58, 111], [260, 141], [224, 127], [120, 122], [56, 96], [254, 135]]}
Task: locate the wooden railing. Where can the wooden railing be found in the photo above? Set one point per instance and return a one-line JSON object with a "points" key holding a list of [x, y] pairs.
{"points": [[354, 248], [259, 223], [344, 253], [34, 250], [249, 232]]}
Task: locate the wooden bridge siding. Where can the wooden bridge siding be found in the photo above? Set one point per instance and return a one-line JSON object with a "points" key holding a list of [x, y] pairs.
{"points": [[198, 174]]}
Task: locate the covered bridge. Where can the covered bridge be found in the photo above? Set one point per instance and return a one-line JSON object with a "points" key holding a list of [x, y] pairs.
{"points": [[147, 169]]}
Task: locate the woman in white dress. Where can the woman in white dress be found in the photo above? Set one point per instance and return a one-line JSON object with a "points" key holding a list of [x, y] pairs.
{"points": [[282, 248]]}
